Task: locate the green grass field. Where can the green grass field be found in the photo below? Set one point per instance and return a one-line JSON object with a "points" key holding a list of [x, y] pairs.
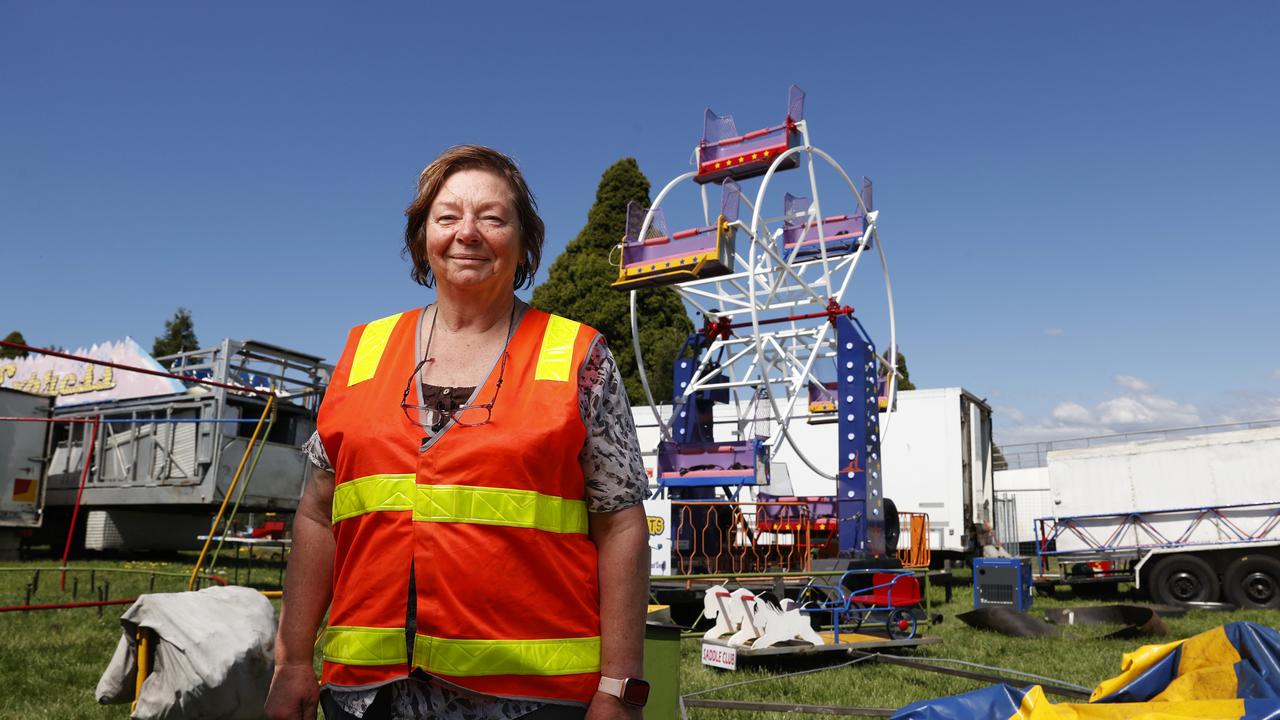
{"points": [[50, 661]]}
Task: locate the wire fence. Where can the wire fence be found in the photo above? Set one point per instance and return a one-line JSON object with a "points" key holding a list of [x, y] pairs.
{"points": [[1019, 456]]}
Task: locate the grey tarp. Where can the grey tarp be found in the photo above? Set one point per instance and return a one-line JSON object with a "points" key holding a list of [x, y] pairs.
{"points": [[213, 655]]}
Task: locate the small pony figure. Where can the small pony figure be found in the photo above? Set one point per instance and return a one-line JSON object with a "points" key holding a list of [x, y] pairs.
{"points": [[781, 624], [749, 627], [716, 605]]}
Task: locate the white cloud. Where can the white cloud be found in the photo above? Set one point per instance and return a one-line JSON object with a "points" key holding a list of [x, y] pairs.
{"points": [[1138, 406], [1134, 384], [1247, 406], [1053, 331], [1012, 413], [1070, 413]]}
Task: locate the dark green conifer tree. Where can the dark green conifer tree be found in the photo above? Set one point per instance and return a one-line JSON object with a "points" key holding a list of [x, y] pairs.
{"points": [[8, 352], [577, 287], [179, 335]]}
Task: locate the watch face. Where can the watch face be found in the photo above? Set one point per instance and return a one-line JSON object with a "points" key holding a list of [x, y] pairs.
{"points": [[635, 692]]}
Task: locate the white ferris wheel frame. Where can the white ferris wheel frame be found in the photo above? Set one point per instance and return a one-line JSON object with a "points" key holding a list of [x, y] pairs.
{"points": [[772, 276]]}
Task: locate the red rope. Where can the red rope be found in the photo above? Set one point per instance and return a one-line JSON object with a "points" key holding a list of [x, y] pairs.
{"points": [[75, 512]]}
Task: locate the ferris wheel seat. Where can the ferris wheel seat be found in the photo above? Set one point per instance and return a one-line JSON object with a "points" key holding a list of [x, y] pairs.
{"points": [[709, 464], [791, 513], [670, 271], [822, 398], [724, 153], [747, 159], [660, 258]]}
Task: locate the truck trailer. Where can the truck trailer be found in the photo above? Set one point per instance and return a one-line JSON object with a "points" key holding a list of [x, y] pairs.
{"points": [[1193, 519], [22, 462], [162, 465]]}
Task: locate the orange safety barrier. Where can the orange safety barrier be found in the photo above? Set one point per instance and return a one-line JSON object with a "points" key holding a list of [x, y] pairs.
{"points": [[741, 537], [913, 546], [711, 537]]}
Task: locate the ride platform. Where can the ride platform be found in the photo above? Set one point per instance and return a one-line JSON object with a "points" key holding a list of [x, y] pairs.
{"points": [[718, 653]]}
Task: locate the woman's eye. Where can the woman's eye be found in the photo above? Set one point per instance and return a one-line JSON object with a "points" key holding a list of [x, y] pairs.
{"points": [[446, 219]]}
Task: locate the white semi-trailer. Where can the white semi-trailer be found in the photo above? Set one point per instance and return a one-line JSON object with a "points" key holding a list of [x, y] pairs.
{"points": [[1193, 519], [22, 461]]}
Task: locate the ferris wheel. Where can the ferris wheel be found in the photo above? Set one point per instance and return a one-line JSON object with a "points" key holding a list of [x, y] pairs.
{"points": [[771, 275]]}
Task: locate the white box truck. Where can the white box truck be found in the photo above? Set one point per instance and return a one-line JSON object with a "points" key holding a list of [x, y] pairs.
{"points": [[22, 462], [1193, 519]]}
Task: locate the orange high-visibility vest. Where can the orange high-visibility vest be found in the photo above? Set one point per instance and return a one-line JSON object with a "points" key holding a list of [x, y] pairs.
{"points": [[490, 522]]}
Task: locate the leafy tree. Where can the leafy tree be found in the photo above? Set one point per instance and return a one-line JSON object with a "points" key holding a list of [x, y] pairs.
{"points": [[8, 352], [179, 335], [577, 287], [904, 376], [998, 461]]}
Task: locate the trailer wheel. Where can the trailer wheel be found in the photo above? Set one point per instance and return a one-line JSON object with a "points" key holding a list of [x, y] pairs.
{"points": [[1181, 579], [901, 625], [1253, 581]]}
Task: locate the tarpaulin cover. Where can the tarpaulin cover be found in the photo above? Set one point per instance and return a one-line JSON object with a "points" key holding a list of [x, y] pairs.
{"points": [[213, 655], [1232, 671]]}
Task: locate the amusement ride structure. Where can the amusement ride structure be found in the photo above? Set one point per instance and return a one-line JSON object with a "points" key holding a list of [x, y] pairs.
{"points": [[769, 275]]}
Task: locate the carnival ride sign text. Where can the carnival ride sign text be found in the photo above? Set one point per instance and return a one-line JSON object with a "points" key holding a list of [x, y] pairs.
{"points": [[720, 656], [52, 384]]}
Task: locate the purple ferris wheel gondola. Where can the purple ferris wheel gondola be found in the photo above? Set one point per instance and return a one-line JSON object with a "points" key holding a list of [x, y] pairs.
{"points": [[841, 234], [723, 153], [662, 258]]}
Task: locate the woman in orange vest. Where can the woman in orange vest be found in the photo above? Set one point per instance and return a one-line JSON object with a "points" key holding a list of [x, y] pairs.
{"points": [[473, 524]]}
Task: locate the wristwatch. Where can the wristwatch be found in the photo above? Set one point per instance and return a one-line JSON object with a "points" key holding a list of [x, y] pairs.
{"points": [[632, 691]]}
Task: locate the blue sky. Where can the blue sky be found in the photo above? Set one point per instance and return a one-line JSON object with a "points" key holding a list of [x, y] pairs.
{"points": [[1077, 200]]}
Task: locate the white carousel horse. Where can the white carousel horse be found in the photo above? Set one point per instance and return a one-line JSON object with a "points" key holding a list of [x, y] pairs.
{"points": [[715, 605], [780, 624]]}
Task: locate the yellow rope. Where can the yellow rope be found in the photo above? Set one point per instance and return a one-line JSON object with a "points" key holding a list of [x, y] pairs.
{"points": [[266, 410]]}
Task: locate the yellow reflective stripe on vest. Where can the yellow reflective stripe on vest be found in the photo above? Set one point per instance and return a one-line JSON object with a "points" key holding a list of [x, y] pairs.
{"points": [[365, 646], [373, 493], [557, 349], [469, 658], [499, 506], [458, 503], [373, 340]]}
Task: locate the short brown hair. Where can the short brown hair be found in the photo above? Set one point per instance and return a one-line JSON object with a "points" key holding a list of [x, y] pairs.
{"points": [[472, 157]]}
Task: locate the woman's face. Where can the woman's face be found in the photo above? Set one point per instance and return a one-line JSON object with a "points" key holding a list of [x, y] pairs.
{"points": [[473, 233]]}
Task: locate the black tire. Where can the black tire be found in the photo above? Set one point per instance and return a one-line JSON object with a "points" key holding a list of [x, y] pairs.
{"points": [[1253, 581], [1181, 579], [891, 528]]}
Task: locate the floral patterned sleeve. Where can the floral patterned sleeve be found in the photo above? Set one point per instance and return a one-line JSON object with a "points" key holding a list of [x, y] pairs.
{"points": [[315, 452], [610, 457]]}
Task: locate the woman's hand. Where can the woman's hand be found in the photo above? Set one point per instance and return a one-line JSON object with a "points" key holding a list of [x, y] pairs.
{"points": [[294, 693]]}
